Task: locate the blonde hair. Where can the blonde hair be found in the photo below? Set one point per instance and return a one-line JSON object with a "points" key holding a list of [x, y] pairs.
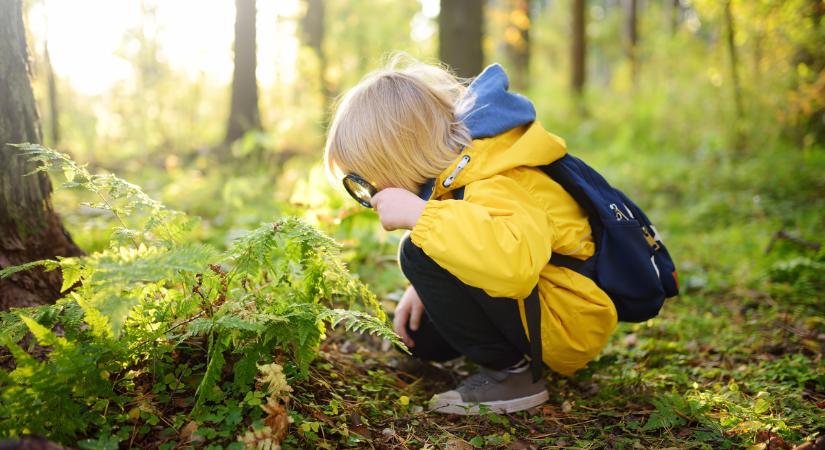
{"points": [[398, 127]]}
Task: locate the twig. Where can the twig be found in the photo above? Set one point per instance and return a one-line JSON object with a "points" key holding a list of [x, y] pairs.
{"points": [[783, 235], [173, 327]]}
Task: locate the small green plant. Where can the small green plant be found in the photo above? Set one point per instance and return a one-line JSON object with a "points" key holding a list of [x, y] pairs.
{"points": [[158, 331]]}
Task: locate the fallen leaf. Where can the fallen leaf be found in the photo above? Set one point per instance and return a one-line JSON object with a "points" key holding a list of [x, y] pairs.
{"points": [[458, 444], [811, 345], [186, 433], [361, 430], [519, 445], [276, 418]]}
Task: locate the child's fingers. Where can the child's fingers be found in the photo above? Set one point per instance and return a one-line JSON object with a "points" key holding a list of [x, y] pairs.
{"points": [[399, 322], [378, 197], [415, 315], [375, 200]]}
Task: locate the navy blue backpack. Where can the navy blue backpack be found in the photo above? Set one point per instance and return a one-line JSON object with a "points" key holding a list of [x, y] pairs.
{"points": [[631, 264]]}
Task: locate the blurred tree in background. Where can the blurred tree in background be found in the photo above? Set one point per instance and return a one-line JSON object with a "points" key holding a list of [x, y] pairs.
{"points": [[29, 227], [460, 34], [243, 113], [578, 45], [632, 33], [313, 29], [517, 41]]}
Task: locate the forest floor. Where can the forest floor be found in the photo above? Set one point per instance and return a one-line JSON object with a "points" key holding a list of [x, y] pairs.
{"points": [[736, 361], [730, 370]]}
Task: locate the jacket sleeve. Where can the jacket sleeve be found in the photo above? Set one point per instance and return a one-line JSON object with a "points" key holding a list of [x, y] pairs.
{"points": [[497, 238]]}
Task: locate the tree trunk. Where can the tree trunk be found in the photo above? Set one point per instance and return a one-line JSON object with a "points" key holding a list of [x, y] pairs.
{"points": [[740, 137], [54, 124], [675, 13], [29, 227], [460, 34], [313, 32], [244, 114], [632, 41], [734, 59], [578, 48], [517, 37]]}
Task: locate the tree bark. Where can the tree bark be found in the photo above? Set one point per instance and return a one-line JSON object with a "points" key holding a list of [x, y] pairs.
{"points": [[578, 48], [29, 227], [460, 34], [632, 41], [54, 124], [517, 37], [244, 114]]}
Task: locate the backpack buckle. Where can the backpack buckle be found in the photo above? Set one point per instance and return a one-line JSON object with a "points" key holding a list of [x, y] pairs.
{"points": [[651, 241]]}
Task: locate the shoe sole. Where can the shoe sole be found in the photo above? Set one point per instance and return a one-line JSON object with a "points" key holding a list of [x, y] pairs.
{"points": [[501, 406]]}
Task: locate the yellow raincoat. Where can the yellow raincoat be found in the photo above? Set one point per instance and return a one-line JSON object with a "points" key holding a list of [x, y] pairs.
{"points": [[500, 238]]}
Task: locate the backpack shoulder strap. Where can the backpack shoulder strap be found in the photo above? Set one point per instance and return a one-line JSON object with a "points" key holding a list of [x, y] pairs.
{"points": [[458, 194]]}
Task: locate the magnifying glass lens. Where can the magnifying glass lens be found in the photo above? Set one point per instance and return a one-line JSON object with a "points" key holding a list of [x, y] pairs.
{"points": [[360, 189]]}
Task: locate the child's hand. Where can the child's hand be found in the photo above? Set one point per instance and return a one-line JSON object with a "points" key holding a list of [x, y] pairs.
{"points": [[397, 208], [409, 309]]}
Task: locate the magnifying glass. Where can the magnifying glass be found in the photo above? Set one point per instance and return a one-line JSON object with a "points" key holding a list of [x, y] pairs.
{"points": [[360, 189]]}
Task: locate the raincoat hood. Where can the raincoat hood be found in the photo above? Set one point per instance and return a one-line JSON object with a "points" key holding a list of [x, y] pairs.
{"points": [[494, 110], [505, 135]]}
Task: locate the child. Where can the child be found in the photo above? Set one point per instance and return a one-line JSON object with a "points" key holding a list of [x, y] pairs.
{"points": [[417, 136]]}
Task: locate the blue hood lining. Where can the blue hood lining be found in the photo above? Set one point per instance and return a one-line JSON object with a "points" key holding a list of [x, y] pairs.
{"points": [[493, 110]]}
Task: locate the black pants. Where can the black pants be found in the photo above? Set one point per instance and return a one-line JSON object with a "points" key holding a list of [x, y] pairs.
{"points": [[460, 319]]}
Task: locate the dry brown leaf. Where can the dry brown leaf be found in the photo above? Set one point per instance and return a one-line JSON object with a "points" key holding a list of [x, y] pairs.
{"points": [[186, 433], [276, 418], [458, 444]]}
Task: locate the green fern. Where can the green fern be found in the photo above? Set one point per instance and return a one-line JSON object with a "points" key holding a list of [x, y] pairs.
{"points": [[362, 323], [156, 302], [47, 264]]}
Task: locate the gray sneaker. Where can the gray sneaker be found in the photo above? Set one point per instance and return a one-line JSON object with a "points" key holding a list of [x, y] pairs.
{"points": [[500, 391]]}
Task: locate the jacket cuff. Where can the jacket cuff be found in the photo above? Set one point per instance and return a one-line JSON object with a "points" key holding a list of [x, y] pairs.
{"points": [[425, 222]]}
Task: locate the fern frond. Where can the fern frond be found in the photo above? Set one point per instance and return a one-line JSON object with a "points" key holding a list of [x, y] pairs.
{"points": [[43, 335], [212, 375], [48, 264], [251, 252], [128, 265], [362, 323]]}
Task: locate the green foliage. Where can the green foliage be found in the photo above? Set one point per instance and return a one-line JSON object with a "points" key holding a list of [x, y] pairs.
{"points": [[673, 410], [158, 316], [361, 323]]}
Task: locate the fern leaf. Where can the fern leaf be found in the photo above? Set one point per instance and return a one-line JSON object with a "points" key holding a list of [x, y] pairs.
{"points": [[362, 323], [212, 375], [43, 335], [47, 264]]}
